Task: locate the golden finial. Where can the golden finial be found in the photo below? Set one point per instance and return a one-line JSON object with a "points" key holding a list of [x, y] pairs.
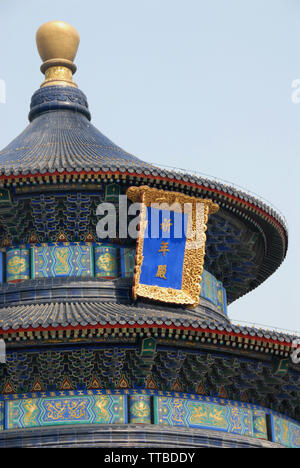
{"points": [[57, 43]]}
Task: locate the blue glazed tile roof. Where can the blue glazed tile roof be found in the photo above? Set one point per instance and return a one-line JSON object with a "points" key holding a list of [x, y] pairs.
{"points": [[61, 137], [94, 302], [33, 297], [55, 314]]}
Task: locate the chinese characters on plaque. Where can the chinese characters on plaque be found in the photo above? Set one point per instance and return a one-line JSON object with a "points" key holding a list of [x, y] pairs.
{"points": [[171, 245]]}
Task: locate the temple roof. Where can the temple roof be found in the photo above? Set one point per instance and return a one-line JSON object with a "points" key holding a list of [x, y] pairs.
{"points": [[246, 242], [53, 303], [71, 314], [61, 137]]}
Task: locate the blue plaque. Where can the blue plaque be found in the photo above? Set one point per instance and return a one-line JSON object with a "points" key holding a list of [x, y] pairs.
{"points": [[170, 246], [163, 255]]}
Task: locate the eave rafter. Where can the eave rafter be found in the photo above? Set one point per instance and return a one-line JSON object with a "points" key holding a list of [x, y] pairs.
{"points": [[181, 335]]}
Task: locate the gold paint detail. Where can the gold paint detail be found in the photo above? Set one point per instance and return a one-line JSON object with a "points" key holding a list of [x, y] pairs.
{"points": [[56, 76], [140, 409], [30, 407], [57, 43], [193, 263]]}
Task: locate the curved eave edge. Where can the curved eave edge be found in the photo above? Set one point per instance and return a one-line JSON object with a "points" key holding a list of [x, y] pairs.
{"points": [[235, 197], [238, 339], [219, 193]]}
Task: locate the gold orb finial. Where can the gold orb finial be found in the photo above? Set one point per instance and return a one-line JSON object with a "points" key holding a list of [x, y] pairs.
{"points": [[57, 43]]}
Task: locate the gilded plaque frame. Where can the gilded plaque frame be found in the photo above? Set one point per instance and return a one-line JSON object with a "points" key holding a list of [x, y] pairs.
{"points": [[193, 263]]}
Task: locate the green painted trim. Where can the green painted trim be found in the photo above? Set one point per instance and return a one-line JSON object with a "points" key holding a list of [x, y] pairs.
{"points": [[155, 409], [32, 268], [92, 254]]}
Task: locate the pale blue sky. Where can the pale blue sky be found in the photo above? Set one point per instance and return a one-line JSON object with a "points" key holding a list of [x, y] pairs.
{"points": [[204, 85]]}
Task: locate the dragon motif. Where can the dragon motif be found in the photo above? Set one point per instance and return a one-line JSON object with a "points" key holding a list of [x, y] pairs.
{"points": [[101, 405], [30, 407]]}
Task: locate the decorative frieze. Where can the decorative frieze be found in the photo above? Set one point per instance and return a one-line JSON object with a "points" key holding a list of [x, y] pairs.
{"points": [[145, 407]]}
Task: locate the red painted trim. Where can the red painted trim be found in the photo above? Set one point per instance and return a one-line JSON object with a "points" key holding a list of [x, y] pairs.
{"points": [[136, 326]]}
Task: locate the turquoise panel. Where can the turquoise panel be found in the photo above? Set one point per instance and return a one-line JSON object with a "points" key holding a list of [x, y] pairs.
{"points": [[106, 261], [127, 262], [86, 409], [169, 409], [259, 425], [140, 409], [17, 265], [62, 260], [112, 192], [190, 413], [286, 432], [213, 291]]}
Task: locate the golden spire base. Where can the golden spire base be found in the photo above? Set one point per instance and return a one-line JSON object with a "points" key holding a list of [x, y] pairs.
{"points": [[57, 43]]}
